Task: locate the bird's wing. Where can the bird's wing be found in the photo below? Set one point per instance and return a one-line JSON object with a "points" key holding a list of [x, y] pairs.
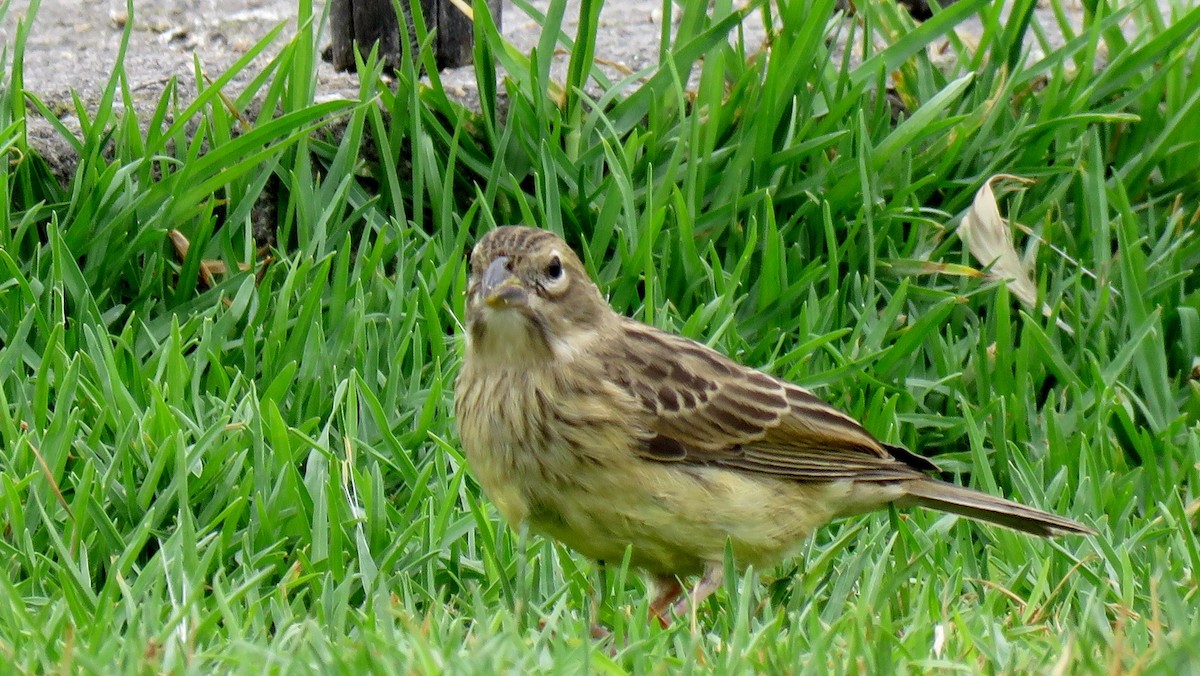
{"points": [[703, 407]]}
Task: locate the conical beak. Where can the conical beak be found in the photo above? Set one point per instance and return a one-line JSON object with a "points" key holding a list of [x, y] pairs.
{"points": [[500, 287]]}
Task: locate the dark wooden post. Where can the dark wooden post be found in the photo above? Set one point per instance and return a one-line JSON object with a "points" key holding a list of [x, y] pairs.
{"points": [[367, 22]]}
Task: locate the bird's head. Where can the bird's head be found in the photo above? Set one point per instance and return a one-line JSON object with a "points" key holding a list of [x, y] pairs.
{"points": [[529, 298]]}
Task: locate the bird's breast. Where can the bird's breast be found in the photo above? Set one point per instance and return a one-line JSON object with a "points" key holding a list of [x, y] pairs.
{"points": [[536, 439]]}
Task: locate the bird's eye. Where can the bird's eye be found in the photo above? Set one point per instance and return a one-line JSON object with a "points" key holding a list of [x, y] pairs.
{"points": [[554, 269]]}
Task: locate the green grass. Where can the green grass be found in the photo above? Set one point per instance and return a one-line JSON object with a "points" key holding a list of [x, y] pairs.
{"points": [[265, 474]]}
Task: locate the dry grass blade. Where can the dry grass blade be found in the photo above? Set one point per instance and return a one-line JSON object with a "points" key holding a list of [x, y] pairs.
{"points": [[919, 267], [49, 474], [210, 270], [465, 8]]}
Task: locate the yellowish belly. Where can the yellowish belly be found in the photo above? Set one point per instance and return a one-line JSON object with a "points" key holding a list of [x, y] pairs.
{"points": [[675, 517], [678, 518]]}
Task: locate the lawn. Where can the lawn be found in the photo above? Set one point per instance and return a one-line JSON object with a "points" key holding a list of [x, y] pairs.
{"points": [[257, 468]]}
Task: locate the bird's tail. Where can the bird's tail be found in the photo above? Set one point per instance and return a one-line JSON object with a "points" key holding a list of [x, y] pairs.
{"points": [[947, 497]]}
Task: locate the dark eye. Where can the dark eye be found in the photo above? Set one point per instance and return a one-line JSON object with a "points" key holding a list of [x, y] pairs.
{"points": [[554, 269]]}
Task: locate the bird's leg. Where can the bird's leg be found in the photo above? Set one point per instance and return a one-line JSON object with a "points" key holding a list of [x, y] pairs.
{"points": [[521, 585], [667, 591], [714, 575], [598, 630]]}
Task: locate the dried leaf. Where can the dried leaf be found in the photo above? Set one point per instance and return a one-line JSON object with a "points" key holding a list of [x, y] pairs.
{"points": [[989, 239]]}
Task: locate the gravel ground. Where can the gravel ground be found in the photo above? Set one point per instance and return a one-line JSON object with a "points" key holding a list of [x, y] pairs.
{"points": [[74, 43]]}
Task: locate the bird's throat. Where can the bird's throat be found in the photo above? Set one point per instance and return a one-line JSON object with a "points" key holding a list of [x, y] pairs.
{"points": [[507, 338]]}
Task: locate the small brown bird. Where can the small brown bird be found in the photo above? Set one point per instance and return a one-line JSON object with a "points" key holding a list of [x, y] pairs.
{"points": [[606, 434]]}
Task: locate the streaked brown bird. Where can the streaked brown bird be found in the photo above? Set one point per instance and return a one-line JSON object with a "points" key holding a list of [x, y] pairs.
{"points": [[606, 434]]}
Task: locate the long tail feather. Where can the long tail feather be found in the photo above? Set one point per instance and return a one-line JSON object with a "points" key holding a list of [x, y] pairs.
{"points": [[947, 497]]}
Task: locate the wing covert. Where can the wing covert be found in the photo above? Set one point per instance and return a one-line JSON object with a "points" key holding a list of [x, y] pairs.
{"points": [[704, 408]]}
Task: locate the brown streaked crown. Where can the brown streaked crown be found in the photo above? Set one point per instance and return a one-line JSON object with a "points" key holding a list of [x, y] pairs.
{"points": [[514, 241]]}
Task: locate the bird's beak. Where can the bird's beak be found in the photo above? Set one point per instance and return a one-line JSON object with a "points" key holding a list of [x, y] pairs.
{"points": [[501, 288]]}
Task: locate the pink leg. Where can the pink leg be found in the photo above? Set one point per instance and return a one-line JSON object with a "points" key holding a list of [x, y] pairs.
{"points": [[714, 575], [668, 589]]}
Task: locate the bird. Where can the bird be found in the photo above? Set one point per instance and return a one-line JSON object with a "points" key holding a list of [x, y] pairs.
{"points": [[608, 435]]}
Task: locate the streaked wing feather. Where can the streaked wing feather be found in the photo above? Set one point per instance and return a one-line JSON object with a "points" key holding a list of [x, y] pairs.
{"points": [[705, 408]]}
